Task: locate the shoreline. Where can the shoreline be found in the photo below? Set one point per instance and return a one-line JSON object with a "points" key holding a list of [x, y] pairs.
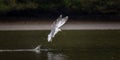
{"points": [[70, 25]]}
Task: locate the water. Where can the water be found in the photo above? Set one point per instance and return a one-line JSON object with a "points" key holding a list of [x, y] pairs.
{"points": [[62, 55], [67, 45], [36, 50]]}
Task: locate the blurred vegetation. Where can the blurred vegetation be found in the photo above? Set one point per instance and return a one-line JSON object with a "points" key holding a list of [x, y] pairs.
{"points": [[71, 6]]}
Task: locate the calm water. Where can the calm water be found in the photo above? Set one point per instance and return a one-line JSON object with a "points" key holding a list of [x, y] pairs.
{"points": [[67, 45]]}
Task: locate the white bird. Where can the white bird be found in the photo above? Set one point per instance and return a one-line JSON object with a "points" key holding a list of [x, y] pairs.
{"points": [[55, 28]]}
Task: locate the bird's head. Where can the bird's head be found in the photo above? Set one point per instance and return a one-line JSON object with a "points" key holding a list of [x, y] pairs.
{"points": [[49, 38]]}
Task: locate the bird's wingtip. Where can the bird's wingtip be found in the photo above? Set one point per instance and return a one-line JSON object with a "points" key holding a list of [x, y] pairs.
{"points": [[66, 16], [61, 15]]}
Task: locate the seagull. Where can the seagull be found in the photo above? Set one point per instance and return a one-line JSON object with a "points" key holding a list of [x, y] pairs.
{"points": [[55, 27]]}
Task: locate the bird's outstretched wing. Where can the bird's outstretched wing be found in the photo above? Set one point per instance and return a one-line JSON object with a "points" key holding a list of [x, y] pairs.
{"points": [[55, 27], [62, 22]]}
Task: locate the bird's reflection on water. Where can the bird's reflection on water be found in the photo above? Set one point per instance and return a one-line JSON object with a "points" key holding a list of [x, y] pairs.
{"points": [[59, 56]]}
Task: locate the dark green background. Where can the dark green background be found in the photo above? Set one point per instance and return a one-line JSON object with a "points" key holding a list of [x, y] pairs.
{"points": [[53, 8]]}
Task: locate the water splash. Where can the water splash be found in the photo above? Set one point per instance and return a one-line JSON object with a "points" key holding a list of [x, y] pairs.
{"points": [[36, 50]]}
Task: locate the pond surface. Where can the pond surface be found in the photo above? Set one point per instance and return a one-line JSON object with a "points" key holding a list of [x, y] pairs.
{"points": [[62, 55], [67, 45]]}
